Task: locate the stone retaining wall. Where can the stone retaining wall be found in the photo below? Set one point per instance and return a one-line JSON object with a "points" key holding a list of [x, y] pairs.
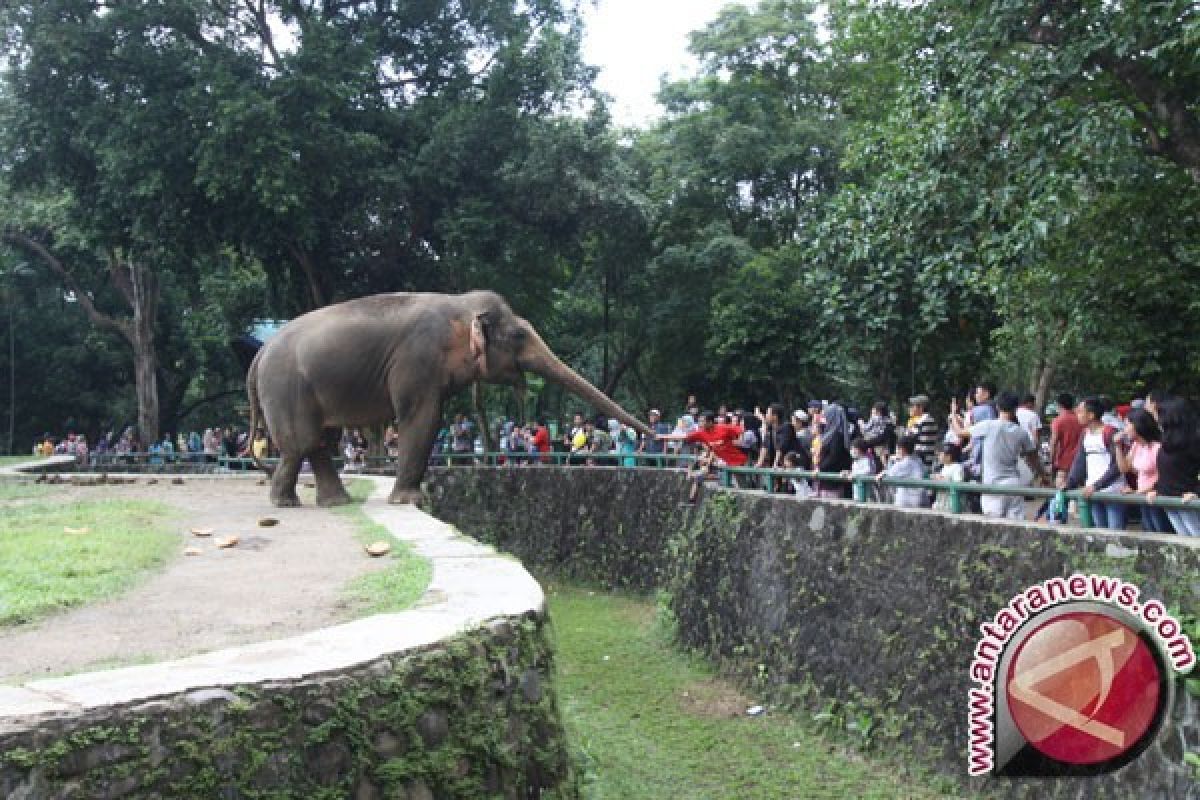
{"points": [[870, 614], [451, 699]]}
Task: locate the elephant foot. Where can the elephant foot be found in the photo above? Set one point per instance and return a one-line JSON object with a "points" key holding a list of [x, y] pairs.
{"points": [[286, 501], [336, 499], [402, 497]]}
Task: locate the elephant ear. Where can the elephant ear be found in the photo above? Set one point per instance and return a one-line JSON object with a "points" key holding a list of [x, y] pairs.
{"points": [[479, 340]]}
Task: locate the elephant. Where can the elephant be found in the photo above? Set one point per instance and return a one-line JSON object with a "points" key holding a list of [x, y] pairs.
{"points": [[388, 357]]}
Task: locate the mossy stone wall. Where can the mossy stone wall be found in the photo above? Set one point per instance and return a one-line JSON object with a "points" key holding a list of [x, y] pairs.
{"points": [[868, 614], [473, 716]]}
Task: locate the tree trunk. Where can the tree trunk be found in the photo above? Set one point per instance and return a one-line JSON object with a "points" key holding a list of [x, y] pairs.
{"points": [[613, 376], [316, 292], [145, 370], [1042, 387], [138, 285]]}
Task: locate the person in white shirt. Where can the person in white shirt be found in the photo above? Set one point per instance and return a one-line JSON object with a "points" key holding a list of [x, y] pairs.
{"points": [[1031, 423], [907, 465], [1028, 419], [950, 456]]}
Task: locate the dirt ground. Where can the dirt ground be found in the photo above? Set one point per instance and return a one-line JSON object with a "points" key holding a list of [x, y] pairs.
{"points": [[277, 582]]}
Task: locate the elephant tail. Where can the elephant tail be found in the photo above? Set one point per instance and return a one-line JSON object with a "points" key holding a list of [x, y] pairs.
{"points": [[256, 412]]}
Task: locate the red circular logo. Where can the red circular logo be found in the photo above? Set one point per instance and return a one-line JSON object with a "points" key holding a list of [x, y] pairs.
{"points": [[1083, 688]]}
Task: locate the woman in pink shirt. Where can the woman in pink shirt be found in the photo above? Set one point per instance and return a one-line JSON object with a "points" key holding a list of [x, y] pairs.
{"points": [[1137, 454]]}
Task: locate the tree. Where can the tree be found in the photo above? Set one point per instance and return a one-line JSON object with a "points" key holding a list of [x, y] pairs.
{"points": [[400, 146], [377, 147], [100, 110], [978, 149], [731, 176]]}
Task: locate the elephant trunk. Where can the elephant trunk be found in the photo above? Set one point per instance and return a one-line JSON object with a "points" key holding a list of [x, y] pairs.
{"points": [[539, 359]]}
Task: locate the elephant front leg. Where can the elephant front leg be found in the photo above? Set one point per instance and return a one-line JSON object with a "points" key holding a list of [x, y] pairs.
{"points": [[283, 483], [415, 441], [330, 491]]}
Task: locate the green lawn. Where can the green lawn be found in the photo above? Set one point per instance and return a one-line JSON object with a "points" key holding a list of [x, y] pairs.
{"points": [[651, 722], [398, 586], [43, 569], [6, 461]]}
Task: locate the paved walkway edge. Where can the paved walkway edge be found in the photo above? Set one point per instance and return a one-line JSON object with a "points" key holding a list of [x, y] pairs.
{"points": [[471, 585]]}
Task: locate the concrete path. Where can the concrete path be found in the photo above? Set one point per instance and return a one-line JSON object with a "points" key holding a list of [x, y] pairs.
{"points": [[471, 585]]}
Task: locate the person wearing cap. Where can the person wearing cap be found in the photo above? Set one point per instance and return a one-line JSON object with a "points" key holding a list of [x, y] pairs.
{"points": [[924, 428]]}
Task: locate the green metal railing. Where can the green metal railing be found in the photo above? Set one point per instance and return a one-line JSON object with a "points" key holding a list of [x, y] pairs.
{"points": [[726, 476], [955, 490], [559, 458], [861, 486]]}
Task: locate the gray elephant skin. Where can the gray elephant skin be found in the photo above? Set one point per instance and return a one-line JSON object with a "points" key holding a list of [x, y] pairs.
{"points": [[391, 356]]}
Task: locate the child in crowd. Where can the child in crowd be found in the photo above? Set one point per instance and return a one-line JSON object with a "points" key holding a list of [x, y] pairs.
{"points": [[801, 486], [908, 466], [950, 456], [865, 465]]}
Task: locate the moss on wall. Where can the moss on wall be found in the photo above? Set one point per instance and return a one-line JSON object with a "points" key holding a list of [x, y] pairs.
{"points": [[474, 716], [866, 616]]}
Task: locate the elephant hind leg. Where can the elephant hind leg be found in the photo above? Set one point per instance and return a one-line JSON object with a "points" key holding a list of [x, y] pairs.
{"points": [[283, 482], [330, 491]]}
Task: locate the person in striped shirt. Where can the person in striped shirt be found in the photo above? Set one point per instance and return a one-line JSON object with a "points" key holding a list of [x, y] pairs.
{"points": [[924, 428]]}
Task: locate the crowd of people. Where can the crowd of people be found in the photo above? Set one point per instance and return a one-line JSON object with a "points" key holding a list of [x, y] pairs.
{"points": [[212, 444], [1150, 447]]}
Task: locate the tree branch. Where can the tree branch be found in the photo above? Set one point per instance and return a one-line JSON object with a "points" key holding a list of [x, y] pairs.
{"points": [[1164, 107], [98, 317], [182, 413], [259, 12], [1155, 105]]}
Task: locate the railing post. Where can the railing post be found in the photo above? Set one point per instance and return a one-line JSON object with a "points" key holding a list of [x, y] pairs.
{"points": [[1085, 511], [726, 479], [860, 489], [955, 499]]}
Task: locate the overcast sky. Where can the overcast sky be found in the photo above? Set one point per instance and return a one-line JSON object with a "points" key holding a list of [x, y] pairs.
{"points": [[635, 41]]}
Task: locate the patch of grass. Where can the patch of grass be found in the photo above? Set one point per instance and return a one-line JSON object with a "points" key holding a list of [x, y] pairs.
{"points": [[6, 461], [652, 722], [19, 489], [394, 588], [43, 569]]}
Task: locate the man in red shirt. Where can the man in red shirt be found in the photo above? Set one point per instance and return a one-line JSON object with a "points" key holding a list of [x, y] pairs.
{"points": [[720, 438], [1066, 433], [541, 440]]}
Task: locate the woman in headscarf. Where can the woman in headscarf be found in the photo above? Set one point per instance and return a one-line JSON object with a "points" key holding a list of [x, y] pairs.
{"points": [[835, 450]]}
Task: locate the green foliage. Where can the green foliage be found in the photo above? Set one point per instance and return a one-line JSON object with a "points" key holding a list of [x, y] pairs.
{"points": [[928, 195], [1004, 151]]}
